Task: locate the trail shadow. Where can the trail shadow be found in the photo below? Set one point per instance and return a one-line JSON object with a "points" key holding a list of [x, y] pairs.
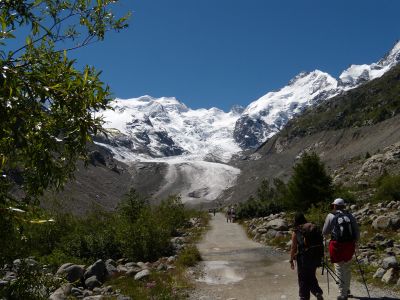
{"points": [[374, 298]]}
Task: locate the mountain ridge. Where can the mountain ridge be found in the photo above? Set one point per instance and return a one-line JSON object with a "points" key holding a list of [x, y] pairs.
{"points": [[148, 127]]}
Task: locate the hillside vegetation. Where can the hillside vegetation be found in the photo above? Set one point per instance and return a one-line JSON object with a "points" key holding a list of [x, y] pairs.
{"points": [[369, 104]]}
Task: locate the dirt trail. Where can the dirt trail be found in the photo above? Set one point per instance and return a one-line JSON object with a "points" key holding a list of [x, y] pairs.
{"points": [[234, 267]]}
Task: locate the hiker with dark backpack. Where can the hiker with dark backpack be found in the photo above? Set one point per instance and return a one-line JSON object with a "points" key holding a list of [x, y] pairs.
{"points": [[307, 250], [343, 229]]}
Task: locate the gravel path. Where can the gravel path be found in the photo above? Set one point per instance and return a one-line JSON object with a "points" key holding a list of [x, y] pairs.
{"points": [[235, 267]]}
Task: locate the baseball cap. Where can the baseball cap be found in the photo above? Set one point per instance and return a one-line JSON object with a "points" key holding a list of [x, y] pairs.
{"points": [[339, 201]]}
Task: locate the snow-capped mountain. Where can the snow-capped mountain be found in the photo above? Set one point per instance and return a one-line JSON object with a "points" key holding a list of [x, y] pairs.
{"points": [[357, 74], [266, 116], [146, 128]]}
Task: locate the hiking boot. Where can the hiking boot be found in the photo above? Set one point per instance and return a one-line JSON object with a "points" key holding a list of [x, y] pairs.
{"points": [[341, 298], [319, 296]]}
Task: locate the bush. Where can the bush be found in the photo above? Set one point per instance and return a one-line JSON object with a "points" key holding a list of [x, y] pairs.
{"points": [[189, 256], [31, 284], [388, 188]]}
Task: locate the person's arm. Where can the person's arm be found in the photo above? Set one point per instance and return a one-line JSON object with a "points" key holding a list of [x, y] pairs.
{"points": [[293, 250], [326, 230]]}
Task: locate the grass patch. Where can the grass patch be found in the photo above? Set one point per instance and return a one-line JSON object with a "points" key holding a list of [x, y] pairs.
{"points": [[189, 256], [170, 285]]}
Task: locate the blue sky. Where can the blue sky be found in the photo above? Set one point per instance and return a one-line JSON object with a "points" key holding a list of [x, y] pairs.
{"points": [[223, 52]]}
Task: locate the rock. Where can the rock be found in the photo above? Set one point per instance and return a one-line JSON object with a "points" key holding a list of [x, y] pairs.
{"points": [[171, 259], [62, 292], [378, 237], [111, 270], [97, 297], [27, 261], [395, 221], [92, 282], [161, 267], [76, 292], [111, 262], [133, 271], [3, 283], [278, 224], [142, 274], [389, 262], [262, 230], [98, 269], [122, 297], [142, 265], [130, 265], [71, 272], [122, 269], [271, 233], [390, 276], [381, 223], [379, 273]]}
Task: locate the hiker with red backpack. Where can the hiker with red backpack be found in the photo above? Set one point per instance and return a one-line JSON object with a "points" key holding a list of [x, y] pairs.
{"points": [[307, 251], [343, 229]]}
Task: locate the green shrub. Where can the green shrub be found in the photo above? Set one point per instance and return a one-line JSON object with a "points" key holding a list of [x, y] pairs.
{"points": [[30, 284], [388, 188], [310, 184], [189, 256]]}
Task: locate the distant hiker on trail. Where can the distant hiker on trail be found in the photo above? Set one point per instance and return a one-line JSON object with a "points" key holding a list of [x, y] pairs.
{"points": [[214, 211], [233, 214], [344, 231], [230, 214], [307, 250]]}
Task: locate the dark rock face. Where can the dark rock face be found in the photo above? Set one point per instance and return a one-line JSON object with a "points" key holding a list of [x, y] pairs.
{"points": [[168, 148], [249, 132]]}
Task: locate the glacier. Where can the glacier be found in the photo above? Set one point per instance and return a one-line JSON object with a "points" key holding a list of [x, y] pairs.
{"points": [[197, 144]]}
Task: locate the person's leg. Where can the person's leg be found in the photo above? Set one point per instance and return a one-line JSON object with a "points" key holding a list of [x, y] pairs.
{"points": [[342, 271], [313, 283], [347, 276], [304, 287]]}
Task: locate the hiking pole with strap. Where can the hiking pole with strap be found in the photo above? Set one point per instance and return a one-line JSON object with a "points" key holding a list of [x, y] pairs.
{"points": [[361, 273]]}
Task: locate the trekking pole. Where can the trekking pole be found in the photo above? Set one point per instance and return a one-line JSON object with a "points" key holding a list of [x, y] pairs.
{"points": [[362, 273], [327, 274], [326, 266]]}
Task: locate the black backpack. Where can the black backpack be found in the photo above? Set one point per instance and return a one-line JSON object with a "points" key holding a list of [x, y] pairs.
{"points": [[342, 230], [310, 241]]}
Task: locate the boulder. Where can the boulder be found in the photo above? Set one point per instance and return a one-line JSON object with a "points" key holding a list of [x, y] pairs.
{"points": [[98, 269], [92, 282], [97, 297], [390, 276], [389, 262], [76, 292], [122, 269], [111, 270], [62, 292], [71, 272], [272, 233], [142, 274], [133, 271], [278, 224], [381, 223], [379, 273]]}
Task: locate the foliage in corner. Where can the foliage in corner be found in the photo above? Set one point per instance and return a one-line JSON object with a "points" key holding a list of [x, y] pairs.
{"points": [[47, 106]]}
